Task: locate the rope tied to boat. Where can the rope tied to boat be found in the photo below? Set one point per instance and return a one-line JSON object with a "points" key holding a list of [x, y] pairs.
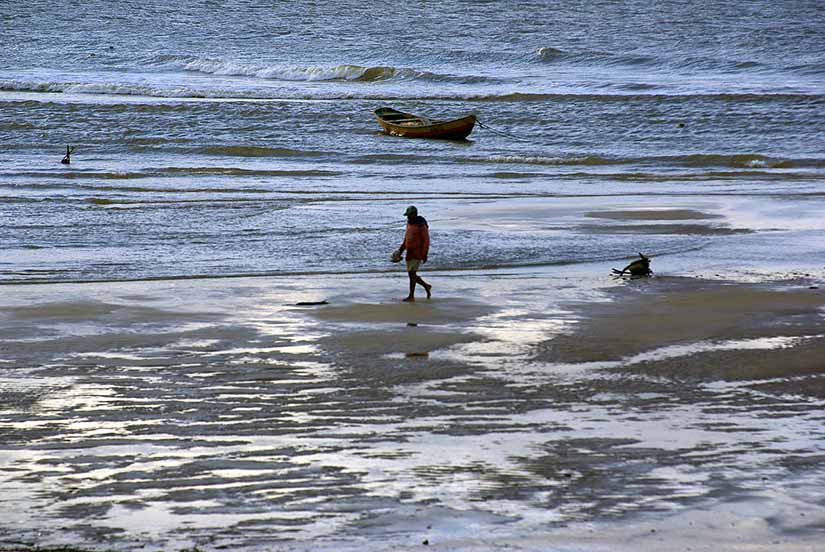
{"points": [[491, 129]]}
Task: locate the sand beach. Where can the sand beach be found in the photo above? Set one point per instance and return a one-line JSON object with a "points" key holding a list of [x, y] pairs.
{"points": [[526, 409]]}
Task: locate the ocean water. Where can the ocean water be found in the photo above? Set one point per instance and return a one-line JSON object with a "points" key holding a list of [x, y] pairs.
{"points": [[237, 138], [160, 386]]}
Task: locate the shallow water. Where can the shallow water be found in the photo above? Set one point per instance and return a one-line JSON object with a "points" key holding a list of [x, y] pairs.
{"points": [[245, 144]]}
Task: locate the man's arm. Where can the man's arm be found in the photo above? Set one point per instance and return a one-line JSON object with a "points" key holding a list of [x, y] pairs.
{"points": [[426, 239]]}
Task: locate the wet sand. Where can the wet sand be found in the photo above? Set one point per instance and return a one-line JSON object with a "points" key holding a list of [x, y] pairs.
{"points": [[652, 314], [653, 214], [532, 409], [627, 222]]}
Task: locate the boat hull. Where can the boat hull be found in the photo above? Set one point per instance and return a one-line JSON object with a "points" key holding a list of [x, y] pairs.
{"points": [[407, 125]]}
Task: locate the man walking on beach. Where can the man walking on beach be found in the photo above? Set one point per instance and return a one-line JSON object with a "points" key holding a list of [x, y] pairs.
{"points": [[417, 243]]}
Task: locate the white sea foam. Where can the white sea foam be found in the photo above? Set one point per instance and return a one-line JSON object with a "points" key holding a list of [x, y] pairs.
{"points": [[229, 68], [287, 72]]}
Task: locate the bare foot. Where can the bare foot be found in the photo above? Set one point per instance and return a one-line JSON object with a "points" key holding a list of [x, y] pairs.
{"points": [[409, 299], [427, 289]]}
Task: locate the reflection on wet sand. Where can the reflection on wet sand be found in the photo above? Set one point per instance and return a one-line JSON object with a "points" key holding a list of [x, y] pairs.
{"points": [[469, 423]]}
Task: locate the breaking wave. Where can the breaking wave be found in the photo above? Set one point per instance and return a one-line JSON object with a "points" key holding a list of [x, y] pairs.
{"points": [[342, 72], [553, 55], [650, 61], [338, 73]]}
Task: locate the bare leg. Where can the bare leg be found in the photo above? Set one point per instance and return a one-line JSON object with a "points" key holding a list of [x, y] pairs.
{"points": [[427, 287], [411, 297]]}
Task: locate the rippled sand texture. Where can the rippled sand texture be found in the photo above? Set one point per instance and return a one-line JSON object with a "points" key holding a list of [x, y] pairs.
{"points": [[512, 410]]}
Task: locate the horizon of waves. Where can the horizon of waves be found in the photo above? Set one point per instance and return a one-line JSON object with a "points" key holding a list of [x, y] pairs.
{"points": [[596, 58]]}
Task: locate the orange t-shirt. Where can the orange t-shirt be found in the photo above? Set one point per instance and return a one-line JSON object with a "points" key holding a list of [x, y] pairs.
{"points": [[416, 239]]}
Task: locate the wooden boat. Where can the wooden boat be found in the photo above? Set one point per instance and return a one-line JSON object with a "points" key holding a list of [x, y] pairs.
{"points": [[398, 123]]}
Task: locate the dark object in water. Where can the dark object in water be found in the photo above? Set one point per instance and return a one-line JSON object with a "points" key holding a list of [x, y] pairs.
{"points": [[398, 123], [310, 303], [68, 157], [639, 267]]}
